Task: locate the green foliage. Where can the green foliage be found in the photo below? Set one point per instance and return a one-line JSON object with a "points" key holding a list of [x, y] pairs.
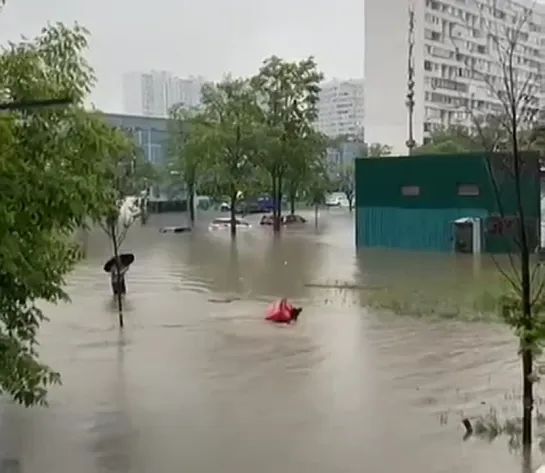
{"points": [[489, 133], [317, 183], [187, 149], [251, 135], [306, 163], [54, 166], [346, 181], [473, 302], [449, 141], [378, 150], [340, 140], [288, 94], [531, 336], [130, 173], [230, 131]]}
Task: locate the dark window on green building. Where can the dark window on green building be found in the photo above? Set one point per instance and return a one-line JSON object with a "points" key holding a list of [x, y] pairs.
{"points": [[410, 191], [468, 190]]}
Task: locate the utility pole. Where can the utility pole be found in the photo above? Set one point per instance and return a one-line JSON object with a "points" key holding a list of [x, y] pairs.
{"points": [[410, 143]]}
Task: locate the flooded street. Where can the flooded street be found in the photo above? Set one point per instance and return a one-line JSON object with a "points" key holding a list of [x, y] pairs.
{"points": [[198, 382]]}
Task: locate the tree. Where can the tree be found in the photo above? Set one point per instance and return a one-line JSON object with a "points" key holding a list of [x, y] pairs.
{"points": [[339, 140], [288, 94], [377, 150], [317, 185], [514, 94], [303, 160], [488, 135], [53, 164], [228, 129], [346, 180], [452, 140], [126, 176], [187, 150]]}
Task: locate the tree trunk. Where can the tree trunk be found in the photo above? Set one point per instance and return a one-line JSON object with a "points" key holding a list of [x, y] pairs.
{"points": [[527, 354], [233, 215], [316, 215], [350, 207], [144, 211], [292, 203], [115, 244], [191, 204], [276, 210], [278, 204]]}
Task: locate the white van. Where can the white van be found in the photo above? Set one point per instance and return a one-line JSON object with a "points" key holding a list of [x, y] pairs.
{"points": [[336, 199]]}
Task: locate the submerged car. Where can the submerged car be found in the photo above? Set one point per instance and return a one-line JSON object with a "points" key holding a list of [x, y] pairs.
{"points": [[223, 223], [261, 204], [293, 218], [336, 199], [285, 219], [267, 220]]}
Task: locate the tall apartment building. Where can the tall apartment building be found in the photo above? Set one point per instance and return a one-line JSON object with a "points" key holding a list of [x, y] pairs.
{"points": [[341, 108], [154, 93], [453, 40]]}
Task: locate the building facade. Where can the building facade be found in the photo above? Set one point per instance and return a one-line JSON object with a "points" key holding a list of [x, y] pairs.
{"points": [[151, 135], [456, 63], [155, 92], [341, 108], [444, 203], [344, 155]]}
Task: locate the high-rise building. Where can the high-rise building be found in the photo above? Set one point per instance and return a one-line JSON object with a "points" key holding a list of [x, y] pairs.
{"points": [[455, 60], [154, 93], [341, 108]]}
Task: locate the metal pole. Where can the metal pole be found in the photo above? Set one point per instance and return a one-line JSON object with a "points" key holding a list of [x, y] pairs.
{"points": [[410, 143]]}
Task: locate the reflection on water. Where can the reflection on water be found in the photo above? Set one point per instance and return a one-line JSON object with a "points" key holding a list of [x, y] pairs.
{"points": [[198, 382]]}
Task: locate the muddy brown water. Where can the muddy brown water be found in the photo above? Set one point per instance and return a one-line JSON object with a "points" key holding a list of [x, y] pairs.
{"points": [[198, 382]]}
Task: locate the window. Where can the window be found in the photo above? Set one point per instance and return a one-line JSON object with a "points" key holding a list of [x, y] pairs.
{"points": [[410, 191], [469, 190]]}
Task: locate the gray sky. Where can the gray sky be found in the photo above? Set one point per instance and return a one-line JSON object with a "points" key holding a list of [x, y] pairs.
{"points": [[199, 37]]}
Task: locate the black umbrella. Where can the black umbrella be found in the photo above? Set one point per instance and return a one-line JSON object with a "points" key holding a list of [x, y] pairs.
{"points": [[125, 259]]}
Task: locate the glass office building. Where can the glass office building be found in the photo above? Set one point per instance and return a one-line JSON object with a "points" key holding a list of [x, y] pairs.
{"points": [[151, 135]]}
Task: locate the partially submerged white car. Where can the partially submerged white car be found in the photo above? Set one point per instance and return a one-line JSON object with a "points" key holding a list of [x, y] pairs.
{"points": [[223, 223], [337, 199]]}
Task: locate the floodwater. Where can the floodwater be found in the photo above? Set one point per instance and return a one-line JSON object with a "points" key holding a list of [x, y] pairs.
{"points": [[198, 382]]}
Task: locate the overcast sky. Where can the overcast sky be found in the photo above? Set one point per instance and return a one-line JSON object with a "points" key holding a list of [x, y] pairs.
{"points": [[199, 37]]}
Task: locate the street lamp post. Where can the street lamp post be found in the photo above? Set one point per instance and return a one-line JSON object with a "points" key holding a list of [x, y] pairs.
{"points": [[410, 143]]}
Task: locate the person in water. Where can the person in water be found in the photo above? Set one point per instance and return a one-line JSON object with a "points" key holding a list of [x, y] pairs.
{"points": [[118, 281], [283, 312], [295, 312]]}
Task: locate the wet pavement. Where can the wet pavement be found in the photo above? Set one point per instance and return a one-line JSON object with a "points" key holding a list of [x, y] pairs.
{"points": [[198, 382]]}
